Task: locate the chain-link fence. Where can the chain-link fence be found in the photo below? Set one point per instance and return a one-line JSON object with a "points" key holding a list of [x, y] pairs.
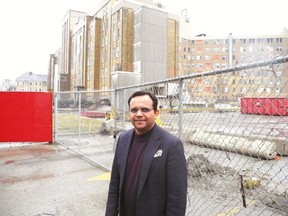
{"points": [[233, 123]]}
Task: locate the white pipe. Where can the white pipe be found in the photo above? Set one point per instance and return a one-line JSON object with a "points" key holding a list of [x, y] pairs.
{"points": [[257, 148]]}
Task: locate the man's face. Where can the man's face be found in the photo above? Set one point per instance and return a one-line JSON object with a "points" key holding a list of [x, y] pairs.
{"points": [[142, 114]]}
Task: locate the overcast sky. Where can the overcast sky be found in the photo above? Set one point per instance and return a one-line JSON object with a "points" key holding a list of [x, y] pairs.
{"points": [[27, 42]]}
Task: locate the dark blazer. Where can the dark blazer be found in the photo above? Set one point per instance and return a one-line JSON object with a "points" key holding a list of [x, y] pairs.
{"points": [[163, 177]]}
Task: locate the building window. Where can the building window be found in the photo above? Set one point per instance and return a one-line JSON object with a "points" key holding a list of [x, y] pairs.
{"points": [[270, 49], [242, 49], [278, 82], [242, 41], [199, 65], [243, 90], [269, 40], [279, 49], [117, 51], [279, 73], [261, 90], [207, 57], [208, 49], [216, 66]]}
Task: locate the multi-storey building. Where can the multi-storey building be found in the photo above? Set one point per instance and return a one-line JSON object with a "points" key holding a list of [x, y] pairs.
{"points": [[31, 82], [119, 36], [53, 81], [70, 21], [205, 53], [141, 37]]}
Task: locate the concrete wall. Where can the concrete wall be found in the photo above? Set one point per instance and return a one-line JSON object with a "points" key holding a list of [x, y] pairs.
{"points": [[150, 44]]}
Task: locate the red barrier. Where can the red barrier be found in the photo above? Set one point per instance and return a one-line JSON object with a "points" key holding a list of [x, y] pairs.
{"points": [[265, 106], [26, 117]]}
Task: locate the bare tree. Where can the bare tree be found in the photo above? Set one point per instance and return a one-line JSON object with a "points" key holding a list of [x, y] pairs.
{"points": [[7, 85]]}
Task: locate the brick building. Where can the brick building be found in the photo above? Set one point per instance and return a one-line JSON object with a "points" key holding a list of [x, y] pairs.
{"points": [[205, 53]]}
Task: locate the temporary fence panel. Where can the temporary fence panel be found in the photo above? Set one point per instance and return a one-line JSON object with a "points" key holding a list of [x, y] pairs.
{"points": [[26, 117], [236, 153], [83, 123]]}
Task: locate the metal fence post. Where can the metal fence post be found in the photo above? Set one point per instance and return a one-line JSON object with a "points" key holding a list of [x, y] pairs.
{"points": [[124, 109], [180, 108], [55, 116], [79, 118], [115, 112]]}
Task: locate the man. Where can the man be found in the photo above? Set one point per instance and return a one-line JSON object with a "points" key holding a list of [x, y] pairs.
{"points": [[149, 173]]}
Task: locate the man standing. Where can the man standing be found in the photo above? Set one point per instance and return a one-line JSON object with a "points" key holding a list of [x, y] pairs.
{"points": [[149, 173]]}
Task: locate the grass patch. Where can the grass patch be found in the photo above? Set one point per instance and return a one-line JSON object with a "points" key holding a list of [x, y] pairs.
{"points": [[69, 123], [251, 183]]}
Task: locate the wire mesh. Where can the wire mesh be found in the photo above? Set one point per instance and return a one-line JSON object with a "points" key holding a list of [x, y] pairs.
{"points": [[233, 123]]}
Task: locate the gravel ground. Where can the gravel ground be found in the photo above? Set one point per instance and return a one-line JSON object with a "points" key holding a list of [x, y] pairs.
{"points": [[54, 180]]}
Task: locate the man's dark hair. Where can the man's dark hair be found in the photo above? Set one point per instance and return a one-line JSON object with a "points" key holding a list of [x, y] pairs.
{"points": [[141, 93]]}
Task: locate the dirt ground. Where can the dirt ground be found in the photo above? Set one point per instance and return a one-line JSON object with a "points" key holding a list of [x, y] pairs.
{"points": [[228, 184]]}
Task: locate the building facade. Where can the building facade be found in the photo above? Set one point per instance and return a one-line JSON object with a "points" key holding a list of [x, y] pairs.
{"points": [[204, 53], [141, 37], [32, 82], [117, 36]]}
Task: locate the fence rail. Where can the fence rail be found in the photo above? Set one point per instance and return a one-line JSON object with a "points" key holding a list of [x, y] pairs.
{"points": [[236, 147]]}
